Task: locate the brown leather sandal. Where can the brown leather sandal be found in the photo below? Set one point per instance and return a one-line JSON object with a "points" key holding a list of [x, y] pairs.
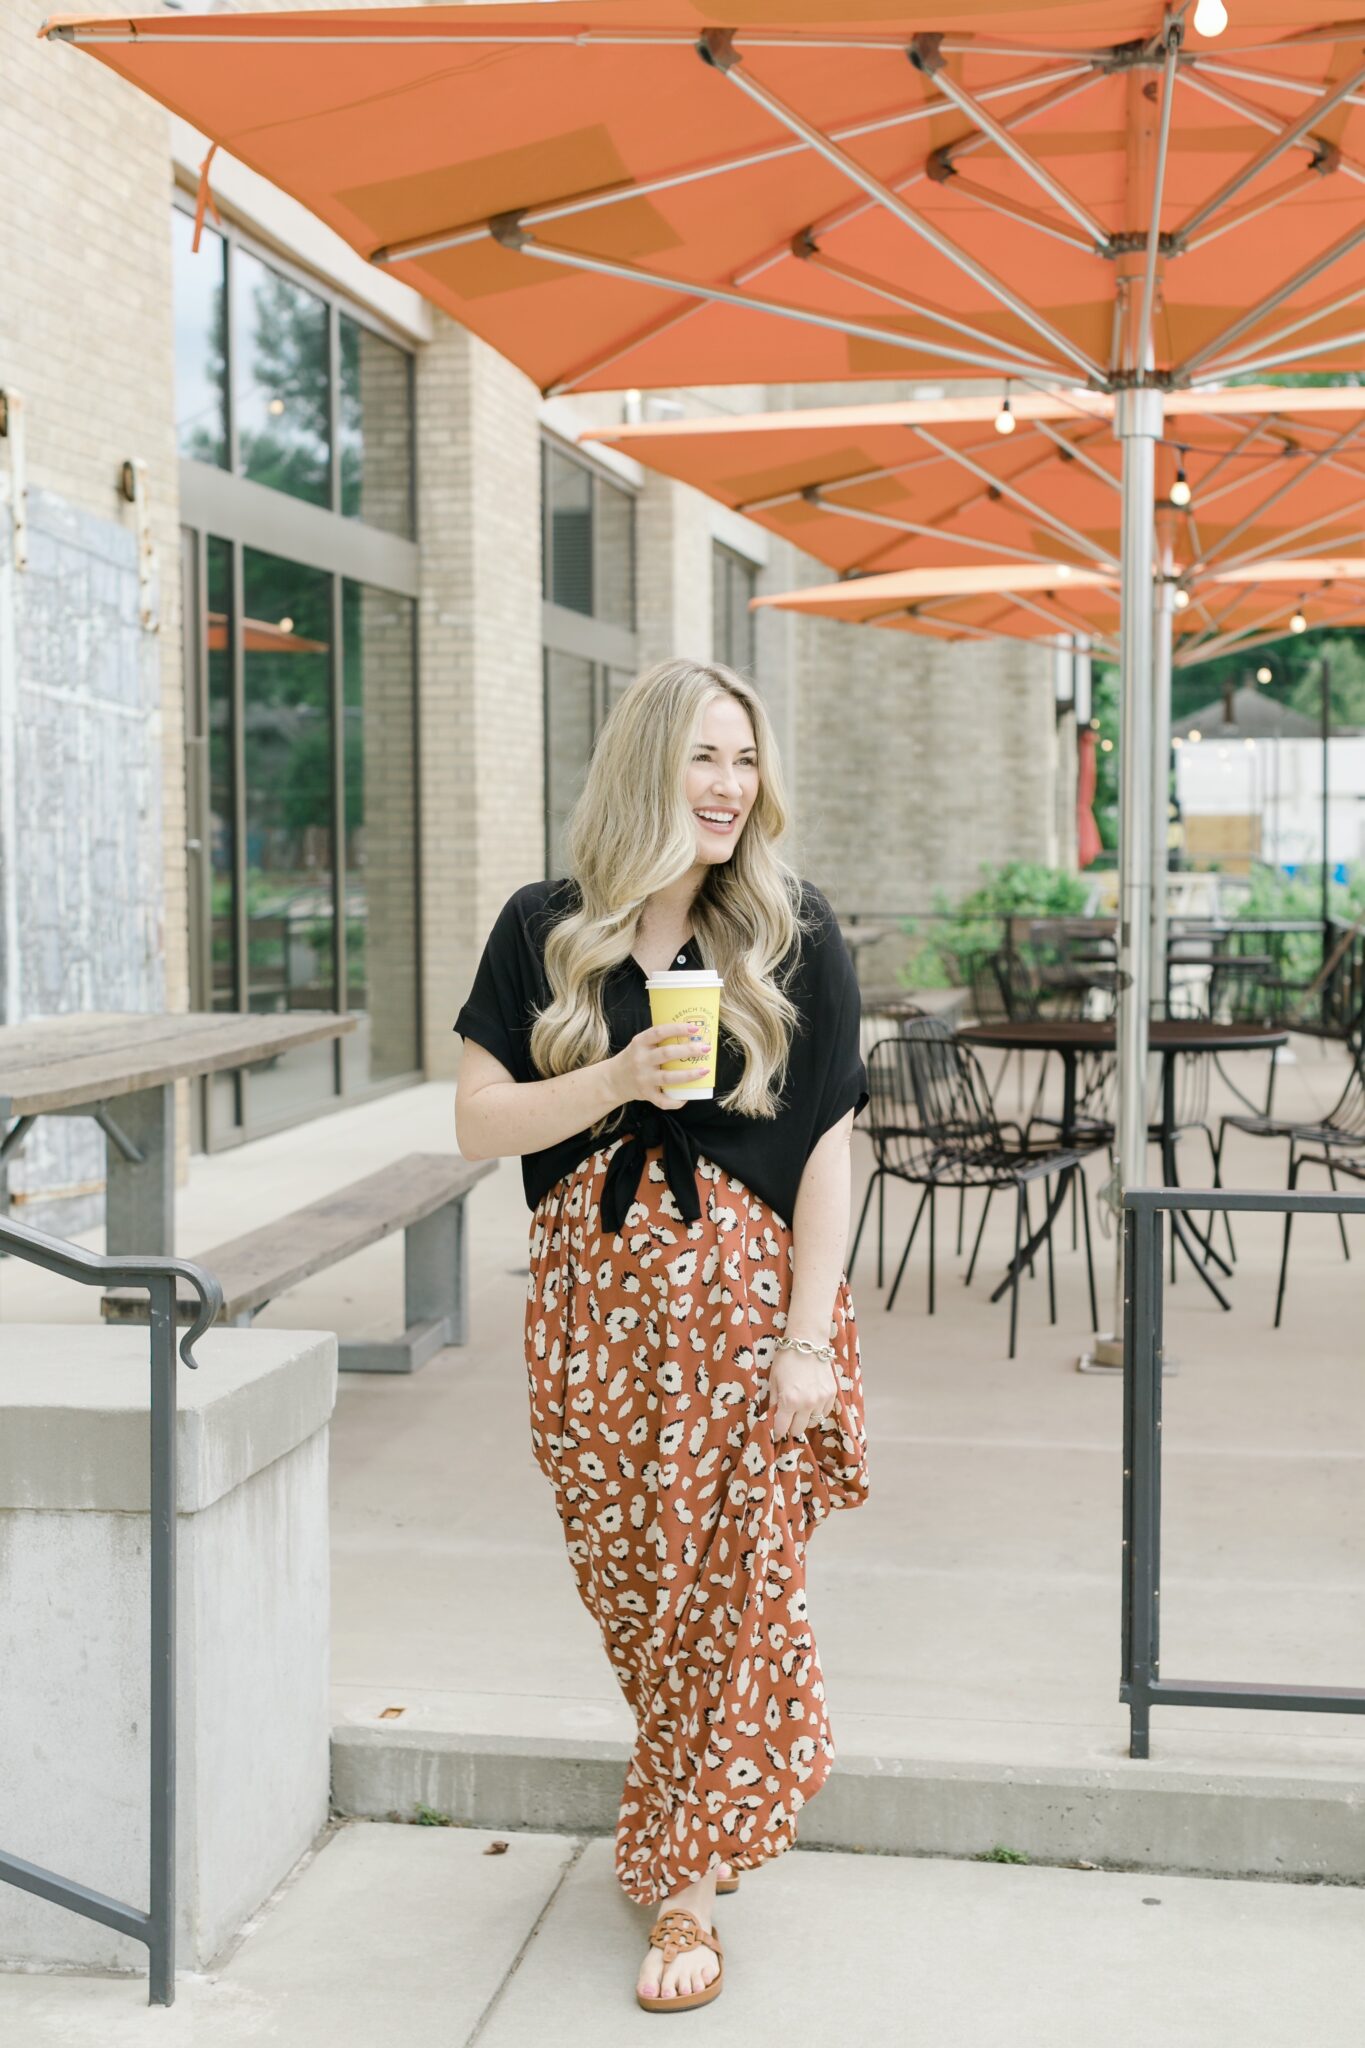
{"points": [[673, 1934]]}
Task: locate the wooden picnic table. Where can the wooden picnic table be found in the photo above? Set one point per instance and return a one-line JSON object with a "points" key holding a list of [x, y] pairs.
{"points": [[82, 1063]]}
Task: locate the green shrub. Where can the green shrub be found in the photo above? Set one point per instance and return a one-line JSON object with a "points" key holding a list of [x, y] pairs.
{"points": [[946, 949]]}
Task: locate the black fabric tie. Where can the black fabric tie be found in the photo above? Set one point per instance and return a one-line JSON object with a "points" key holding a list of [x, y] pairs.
{"points": [[648, 1126]]}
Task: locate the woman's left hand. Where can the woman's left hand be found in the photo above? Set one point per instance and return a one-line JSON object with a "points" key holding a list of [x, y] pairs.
{"points": [[802, 1391]]}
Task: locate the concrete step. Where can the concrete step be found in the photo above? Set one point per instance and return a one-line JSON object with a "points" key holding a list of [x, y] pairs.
{"points": [[415, 1937], [1134, 1815]]}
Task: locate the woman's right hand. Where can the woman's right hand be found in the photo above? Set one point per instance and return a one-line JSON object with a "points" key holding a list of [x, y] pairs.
{"points": [[638, 1069]]}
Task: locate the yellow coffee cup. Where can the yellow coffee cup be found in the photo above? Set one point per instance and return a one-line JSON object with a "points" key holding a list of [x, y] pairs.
{"points": [[690, 998]]}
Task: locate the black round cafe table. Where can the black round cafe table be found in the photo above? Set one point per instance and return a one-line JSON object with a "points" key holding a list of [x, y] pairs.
{"points": [[1070, 1037]]}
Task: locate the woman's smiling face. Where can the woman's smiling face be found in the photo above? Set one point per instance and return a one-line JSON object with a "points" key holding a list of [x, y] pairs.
{"points": [[722, 778]]}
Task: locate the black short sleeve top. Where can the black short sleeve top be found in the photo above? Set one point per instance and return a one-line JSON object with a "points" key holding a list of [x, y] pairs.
{"points": [[825, 1073]]}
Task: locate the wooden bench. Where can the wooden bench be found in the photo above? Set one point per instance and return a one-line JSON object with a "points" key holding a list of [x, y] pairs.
{"points": [[423, 1195]]}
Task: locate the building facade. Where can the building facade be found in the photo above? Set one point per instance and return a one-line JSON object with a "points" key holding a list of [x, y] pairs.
{"points": [[311, 608]]}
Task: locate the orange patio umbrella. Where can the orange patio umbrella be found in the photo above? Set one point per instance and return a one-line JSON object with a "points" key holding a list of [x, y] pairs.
{"points": [[1226, 612], [639, 192], [1241, 475], [608, 192]]}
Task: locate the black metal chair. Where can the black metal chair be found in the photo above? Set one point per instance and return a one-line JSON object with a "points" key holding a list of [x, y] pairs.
{"points": [[1341, 1130], [941, 1131], [886, 1127]]}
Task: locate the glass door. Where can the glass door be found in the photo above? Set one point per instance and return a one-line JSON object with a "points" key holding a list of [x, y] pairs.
{"points": [[301, 792]]}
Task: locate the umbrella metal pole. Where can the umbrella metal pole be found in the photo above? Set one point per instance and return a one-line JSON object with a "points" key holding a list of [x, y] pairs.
{"points": [[1137, 425], [1163, 614]]}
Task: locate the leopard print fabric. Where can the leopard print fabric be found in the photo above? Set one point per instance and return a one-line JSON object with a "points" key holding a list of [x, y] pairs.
{"points": [[648, 1356]]}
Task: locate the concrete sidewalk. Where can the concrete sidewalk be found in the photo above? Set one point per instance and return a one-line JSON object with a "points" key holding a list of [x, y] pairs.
{"points": [[415, 1937]]}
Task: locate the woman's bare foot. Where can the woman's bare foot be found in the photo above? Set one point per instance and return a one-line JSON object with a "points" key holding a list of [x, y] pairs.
{"points": [[696, 1967]]}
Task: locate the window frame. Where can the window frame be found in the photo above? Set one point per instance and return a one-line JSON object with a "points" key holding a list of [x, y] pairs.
{"points": [[220, 504], [599, 642], [727, 566], [337, 304], [575, 632]]}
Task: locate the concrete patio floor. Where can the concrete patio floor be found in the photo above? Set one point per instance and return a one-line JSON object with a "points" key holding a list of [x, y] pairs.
{"points": [[968, 1615], [415, 1937]]}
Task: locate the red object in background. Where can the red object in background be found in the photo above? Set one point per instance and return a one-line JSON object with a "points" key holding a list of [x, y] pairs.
{"points": [[1088, 842]]}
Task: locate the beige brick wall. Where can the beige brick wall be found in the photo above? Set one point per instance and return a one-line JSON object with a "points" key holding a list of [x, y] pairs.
{"points": [[86, 336], [672, 572], [916, 762], [481, 732]]}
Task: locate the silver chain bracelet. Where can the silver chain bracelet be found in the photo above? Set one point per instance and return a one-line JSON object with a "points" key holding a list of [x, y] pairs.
{"points": [[825, 1351]]}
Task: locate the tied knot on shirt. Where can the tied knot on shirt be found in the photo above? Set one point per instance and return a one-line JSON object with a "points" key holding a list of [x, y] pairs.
{"points": [[647, 1126]]}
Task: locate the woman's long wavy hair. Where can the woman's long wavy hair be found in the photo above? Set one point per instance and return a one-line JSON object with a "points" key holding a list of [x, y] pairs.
{"points": [[632, 833]]}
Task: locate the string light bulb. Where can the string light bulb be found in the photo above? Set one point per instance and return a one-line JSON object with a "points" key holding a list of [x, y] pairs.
{"points": [[286, 625], [1180, 489], [1210, 18], [1180, 599], [1196, 736], [1004, 419], [1263, 674], [1298, 623]]}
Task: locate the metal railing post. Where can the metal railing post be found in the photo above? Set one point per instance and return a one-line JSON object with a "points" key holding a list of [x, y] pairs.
{"points": [[158, 1274], [1141, 1687], [161, 1885], [1142, 1267]]}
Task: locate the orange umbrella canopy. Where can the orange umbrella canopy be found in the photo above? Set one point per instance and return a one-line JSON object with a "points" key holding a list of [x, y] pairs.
{"points": [[661, 192], [1225, 612], [926, 482], [260, 636]]}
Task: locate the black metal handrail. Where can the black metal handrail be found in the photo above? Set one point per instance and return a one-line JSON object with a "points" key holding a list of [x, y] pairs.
{"points": [[158, 1274], [1141, 1687]]}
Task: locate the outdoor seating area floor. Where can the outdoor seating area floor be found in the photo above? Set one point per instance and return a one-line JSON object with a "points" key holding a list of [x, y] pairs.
{"points": [[410, 1937], [418, 1938], [969, 1612]]}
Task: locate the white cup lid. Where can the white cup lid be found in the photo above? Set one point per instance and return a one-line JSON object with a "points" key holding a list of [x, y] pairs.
{"points": [[685, 977]]}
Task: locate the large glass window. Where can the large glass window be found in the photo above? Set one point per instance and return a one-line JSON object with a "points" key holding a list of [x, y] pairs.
{"points": [[301, 779], [311, 779], [374, 429], [589, 541], [201, 421], [281, 381], [734, 581], [378, 635], [588, 534], [302, 396], [287, 775]]}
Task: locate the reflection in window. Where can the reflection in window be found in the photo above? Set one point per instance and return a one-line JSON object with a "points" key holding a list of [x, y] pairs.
{"points": [[381, 847], [222, 818], [733, 582], [614, 555], [374, 435], [287, 746], [200, 342], [568, 533], [588, 541], [570, 717], [280, 381]]}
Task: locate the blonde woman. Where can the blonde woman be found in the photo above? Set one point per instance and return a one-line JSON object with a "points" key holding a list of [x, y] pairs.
{"points": [[696, 1402]]}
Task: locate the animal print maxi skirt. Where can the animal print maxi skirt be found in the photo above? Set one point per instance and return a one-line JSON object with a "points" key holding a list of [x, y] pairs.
{"points": [[648, 1356]]}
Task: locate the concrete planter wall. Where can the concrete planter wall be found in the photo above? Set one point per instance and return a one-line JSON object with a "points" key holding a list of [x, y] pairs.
{"points": [[252, 1608]]}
